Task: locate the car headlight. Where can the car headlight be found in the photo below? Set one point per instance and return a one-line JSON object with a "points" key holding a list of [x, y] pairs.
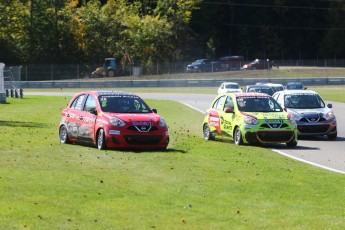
{"points": [[114, 121], [162, 123], [292, 119], [330, 115], [250, 120], [294, 116]]}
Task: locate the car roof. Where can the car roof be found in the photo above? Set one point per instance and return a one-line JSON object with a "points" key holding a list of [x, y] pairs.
{"points": [[106, 92], [299, 91], [294, 82], [263, 86], [245, 94]]}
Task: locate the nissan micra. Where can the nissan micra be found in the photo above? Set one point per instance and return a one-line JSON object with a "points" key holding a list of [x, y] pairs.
{"points": [[249, 118], [116, 120]]}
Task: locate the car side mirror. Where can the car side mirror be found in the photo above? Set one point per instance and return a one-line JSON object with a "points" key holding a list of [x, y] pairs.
{"points": [[229, 110], [329, 106], [154, 110], [93, 111]]}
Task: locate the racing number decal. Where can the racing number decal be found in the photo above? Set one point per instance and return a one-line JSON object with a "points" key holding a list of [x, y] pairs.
{"points": [[213, 120]]}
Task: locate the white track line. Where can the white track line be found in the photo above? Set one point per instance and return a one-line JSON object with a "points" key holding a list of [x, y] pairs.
{"points": [[308, 162]]}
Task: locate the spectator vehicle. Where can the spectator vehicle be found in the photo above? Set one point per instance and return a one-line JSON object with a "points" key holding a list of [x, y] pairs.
{"points": [[312, 115], [228, 63], [203, 65], [249, 118], [116, 120], [295, 85], [258, 64], [259, 89], [229, 87]]}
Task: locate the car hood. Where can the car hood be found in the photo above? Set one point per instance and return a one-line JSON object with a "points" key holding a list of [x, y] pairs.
{"points": [[194, 64], [267, 115], [309, 112], [231, 90], [136, 117]]}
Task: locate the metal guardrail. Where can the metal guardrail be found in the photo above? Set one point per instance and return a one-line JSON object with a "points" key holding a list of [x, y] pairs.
{"points": [[171, 83]]}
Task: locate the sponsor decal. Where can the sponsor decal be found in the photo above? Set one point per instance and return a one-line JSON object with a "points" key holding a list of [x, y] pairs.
{"points": [[138, 123], [274, 114]]}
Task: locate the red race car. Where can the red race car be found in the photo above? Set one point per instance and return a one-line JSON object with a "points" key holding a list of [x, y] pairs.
{"points": [[114, 120]]}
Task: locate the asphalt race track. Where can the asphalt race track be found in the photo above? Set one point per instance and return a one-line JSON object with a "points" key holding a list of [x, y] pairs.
{"points": [[318, 151]]}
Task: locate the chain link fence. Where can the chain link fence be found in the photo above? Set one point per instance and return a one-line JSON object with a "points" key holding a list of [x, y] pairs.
{"points": [[57, 72]]}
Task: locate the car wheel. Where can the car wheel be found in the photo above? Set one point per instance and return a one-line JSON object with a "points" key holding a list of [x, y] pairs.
{"points": [[207, 133], [63, 135], [332, 136], [101, 140], [238, 137], [292, 143]]}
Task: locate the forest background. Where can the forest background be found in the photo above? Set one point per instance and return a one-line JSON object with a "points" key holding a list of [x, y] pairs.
{"points": [[151, 31]]}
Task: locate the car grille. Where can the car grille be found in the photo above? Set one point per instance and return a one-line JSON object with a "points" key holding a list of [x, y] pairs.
{"points": [[274, 126], [269, 136], [313, 128], [143, 140], [142, 128], [312, 119]]}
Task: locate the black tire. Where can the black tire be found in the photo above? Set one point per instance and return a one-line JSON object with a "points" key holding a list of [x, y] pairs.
{"points": [[238, 140], [101, 145], [292, 143], [207, 133], [111, 73], [332, 136], [63, 135]]}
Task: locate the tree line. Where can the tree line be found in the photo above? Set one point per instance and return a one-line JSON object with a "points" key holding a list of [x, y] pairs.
{"points": [[156, 31]]}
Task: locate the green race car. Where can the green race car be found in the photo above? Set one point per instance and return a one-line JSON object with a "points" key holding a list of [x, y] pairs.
{"points": [[249, 118]]}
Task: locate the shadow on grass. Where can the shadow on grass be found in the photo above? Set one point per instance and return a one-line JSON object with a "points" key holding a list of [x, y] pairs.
{"points": [[275, 145], [23, 124]]}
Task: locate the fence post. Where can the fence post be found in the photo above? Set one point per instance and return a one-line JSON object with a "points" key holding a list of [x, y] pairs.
{"points": [[2, 84]]}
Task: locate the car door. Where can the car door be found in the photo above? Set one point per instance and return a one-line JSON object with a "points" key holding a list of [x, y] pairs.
{"points": [[72, 117], [227, 117], [215, 112], [87, 120]]}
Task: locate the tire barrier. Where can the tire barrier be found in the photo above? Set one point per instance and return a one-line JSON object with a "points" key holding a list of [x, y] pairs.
{"points": [[16, 93]]}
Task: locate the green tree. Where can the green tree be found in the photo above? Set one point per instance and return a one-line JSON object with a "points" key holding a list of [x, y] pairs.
{"points": [[13, 31]]}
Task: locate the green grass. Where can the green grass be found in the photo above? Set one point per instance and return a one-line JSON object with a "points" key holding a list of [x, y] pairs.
{"points": [[193, 185]]}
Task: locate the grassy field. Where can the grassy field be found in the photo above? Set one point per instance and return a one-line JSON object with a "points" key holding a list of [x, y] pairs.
{"points": [[193, 185]]}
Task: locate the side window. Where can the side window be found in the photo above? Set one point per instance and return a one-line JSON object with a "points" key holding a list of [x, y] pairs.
{"points": [[90, 103], [219, 103], [78, 102], [229, 103]]}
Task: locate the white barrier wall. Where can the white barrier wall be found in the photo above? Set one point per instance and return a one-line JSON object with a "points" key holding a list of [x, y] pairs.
{"points": [[2, 84]]}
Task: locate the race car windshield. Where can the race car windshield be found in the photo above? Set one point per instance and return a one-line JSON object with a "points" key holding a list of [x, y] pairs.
{"points": [[258, 104], [123, 104], [303, 101], [232, 86]]}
